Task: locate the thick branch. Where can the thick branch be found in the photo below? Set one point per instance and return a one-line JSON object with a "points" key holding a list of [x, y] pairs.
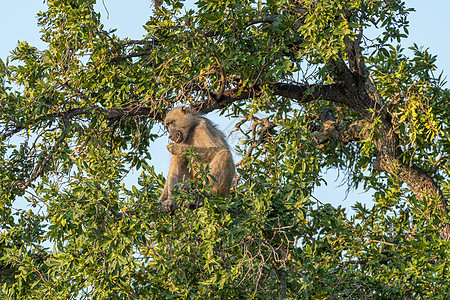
{"points": [[302, 93], [419, 182]]}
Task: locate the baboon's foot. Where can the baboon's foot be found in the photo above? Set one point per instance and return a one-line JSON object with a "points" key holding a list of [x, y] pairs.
{"points": [[168, 206]]}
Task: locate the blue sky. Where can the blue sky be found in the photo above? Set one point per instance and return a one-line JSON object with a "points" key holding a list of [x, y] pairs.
{"points": [[429, 27]]}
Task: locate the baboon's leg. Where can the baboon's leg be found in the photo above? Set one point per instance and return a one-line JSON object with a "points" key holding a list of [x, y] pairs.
{"points": [[177, 173], [222, 169]]}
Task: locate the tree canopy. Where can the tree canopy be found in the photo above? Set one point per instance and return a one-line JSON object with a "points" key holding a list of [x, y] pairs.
{"points": [[311, 85]]}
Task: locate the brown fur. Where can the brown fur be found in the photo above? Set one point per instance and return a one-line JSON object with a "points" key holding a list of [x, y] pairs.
{"points": [[190, 130]]}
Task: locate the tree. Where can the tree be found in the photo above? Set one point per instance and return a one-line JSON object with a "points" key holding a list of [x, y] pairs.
{"points": [[309, 90]]}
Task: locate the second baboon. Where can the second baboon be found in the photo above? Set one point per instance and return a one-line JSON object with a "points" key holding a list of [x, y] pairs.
{"points": [[188, 130]]}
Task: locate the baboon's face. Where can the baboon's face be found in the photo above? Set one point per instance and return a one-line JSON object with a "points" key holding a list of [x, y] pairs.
{"points": [[175, 135], [179, 122]]}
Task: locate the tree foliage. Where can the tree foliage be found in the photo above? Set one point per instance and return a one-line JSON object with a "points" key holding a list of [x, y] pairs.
{"points": [[312, 85]]}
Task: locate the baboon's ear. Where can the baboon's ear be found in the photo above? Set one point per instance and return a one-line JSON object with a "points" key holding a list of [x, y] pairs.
{"points": [[185, 110]]}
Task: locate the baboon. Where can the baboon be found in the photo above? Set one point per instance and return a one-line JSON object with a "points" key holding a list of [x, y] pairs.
{"points": [[188, 130]]}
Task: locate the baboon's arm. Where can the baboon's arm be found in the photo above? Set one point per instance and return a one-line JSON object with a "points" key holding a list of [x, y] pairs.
{"points": [[208, 152], [178, 172]]}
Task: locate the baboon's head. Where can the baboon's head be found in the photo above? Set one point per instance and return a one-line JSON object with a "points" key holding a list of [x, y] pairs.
{"points": [[179, 121]]}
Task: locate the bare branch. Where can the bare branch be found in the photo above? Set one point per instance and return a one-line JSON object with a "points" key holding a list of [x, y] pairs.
{"points": [[112, 114], [222, 78], [264, 18], [22, 185], [151, 42], [131, 55]]}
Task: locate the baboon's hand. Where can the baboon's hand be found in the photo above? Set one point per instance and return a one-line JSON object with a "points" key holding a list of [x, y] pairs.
{"points": [[176, 149], [171, 147]]}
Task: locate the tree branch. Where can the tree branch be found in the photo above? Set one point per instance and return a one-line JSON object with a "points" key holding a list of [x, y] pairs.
{"points": [[22, 185], [302, 93], [112, 114], [264, 18], [151, 42], [335, 131], [131, 55]]}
